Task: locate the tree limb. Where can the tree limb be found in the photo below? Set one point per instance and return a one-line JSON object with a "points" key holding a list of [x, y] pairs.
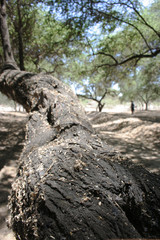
{"points": [[136, 56]]}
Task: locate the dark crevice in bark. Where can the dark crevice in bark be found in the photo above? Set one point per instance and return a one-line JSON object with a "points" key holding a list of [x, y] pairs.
{"points": [[50, 117]]}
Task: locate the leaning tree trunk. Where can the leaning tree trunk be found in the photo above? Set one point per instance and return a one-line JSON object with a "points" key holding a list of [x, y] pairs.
{"points": [[71, 185]]}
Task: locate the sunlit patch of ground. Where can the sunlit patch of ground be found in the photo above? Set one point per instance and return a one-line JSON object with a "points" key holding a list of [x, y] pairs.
{"points": [[136, 136]]}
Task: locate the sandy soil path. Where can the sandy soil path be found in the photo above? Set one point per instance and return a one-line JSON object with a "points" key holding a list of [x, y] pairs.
{"points": [[12, 126], [135, 136]]}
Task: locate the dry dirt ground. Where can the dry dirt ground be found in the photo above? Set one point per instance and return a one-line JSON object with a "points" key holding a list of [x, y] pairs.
{"points": [[136, 136], [12, 132]]}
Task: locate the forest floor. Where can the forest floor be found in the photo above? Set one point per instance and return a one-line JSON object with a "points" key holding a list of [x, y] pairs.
{"points": [[135, 136]]}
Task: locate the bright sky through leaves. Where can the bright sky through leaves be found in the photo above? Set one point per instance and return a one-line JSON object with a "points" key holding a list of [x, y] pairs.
{"points": [[147, 2]]}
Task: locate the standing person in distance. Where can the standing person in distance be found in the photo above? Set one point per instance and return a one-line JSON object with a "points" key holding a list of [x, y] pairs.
{"points": [[132, 107]]}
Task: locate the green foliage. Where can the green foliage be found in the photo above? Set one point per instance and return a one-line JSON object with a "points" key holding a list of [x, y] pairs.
{"points": [[84, 14], [144, 83], [21, 19], [89, 43], [47, 43], [127, 31]]}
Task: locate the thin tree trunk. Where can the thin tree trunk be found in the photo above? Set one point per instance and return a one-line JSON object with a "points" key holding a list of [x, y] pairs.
{"points": [[8, 55], [100, 106], [146, 106], [20, 40]]}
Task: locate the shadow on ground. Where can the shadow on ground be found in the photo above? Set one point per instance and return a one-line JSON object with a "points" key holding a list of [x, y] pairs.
{"points": [[135, 136], [12, 133]]}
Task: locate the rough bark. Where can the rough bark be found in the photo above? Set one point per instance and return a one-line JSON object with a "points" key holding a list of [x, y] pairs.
{"points": [[70, 185]]}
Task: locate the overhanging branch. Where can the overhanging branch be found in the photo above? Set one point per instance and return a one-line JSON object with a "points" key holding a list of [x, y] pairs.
{"points": [[136, 57]]}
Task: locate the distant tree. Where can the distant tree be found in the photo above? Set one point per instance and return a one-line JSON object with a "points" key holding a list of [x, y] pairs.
{"points": [[91, 92], [142, 83], [148, 81], [90, 82]]}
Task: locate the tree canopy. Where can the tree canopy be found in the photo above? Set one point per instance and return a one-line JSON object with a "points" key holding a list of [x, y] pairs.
{"points": [[87, 43], [127, 16]]}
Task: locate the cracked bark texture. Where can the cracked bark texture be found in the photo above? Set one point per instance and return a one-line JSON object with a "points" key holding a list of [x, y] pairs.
{"points": [[70, 185]]}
